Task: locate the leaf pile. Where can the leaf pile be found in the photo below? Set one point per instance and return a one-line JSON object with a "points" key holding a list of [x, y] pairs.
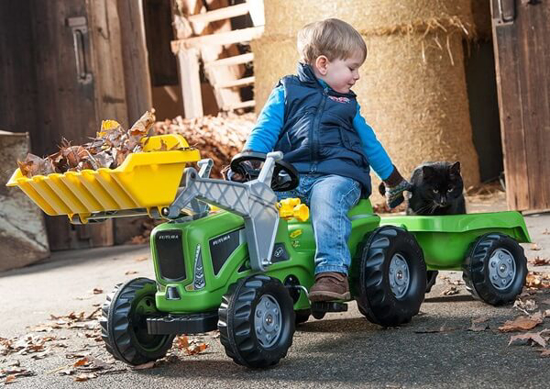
{"points": [[217, 137], [108, 149]]}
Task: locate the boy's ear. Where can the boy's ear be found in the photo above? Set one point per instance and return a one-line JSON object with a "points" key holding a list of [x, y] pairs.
{"points": [[321, 64]]}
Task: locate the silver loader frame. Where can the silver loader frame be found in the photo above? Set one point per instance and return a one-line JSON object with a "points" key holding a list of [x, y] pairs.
{"points": [[255, 201]]}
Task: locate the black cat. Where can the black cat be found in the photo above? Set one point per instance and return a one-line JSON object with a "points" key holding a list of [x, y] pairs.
{"points": [[437, 190]]}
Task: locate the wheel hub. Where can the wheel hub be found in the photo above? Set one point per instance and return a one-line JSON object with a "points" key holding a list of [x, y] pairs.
{"points": [[502, 269], [399, 275], [267, 321]]}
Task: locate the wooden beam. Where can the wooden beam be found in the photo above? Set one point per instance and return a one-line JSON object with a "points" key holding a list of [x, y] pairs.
{"points": [[188, 62], [256, 10], [235, 83], [244, 104], [235, 60], [220, 14], [224, 38], [139, 96]]}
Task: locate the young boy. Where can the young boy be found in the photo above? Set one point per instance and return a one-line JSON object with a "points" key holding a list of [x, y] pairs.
{"points": [[314, 119]]}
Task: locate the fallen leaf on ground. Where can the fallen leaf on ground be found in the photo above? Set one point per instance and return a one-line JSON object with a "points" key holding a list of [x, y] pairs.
{"points": [[522, 323], [81, 362], [182, 342], [545, 353], [141, 259], [450, 291], [526, 305], [196, 348], [535, 247], [97, 291], [129, 272], [84, 377], [539, 261], [9, 379], [538, 280], [534, 337], [546, 231]]}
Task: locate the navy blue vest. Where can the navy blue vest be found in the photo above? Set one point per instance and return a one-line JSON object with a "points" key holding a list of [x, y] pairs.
{"points": [[318, 134]]}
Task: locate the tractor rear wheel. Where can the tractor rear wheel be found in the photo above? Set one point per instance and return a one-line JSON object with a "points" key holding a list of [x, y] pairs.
{"points": [[392, 277]]}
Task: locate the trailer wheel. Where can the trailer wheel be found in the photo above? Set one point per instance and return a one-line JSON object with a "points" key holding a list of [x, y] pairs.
{"points": [[256, 321], [495, 269], [123, 325], [392, 277]]}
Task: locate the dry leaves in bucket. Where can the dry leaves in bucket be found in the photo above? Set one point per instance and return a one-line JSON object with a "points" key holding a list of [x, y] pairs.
{"points": [[107, 150]]}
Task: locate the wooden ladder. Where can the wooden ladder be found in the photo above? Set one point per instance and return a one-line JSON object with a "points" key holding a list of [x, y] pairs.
{"points": [[188, 54]]}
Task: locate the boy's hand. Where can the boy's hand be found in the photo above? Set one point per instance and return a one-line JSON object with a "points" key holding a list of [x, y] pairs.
{"points": [[395, 185], [230, 175], [394, 194]]}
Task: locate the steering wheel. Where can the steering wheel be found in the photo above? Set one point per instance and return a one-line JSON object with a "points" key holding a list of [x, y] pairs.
{"points": [[248, 164]]}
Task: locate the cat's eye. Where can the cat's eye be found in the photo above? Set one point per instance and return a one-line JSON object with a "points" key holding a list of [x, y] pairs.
{"points": [[450, 189], [435, 190]]}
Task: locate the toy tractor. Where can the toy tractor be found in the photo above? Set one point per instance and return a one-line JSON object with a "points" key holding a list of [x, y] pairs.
{"points": [[231, 257]]}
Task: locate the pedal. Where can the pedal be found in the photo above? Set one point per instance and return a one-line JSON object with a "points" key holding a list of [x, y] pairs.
{"points": [[329, 306]]}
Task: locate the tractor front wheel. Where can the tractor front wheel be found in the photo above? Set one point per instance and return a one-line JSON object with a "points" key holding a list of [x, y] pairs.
{"points": [[124, 326], [256, 321]]}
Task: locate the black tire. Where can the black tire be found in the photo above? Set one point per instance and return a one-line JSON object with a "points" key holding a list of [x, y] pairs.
{"points": [[123, 325], [237, 324], [376, 300], [302, 316], [477, 269], [431, 276]]}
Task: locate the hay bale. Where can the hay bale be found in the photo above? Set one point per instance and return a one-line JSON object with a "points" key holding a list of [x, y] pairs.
{"points": [[412, 88]]}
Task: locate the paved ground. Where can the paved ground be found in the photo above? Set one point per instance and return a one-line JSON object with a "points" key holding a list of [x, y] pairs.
{"points": [[341, 351]]}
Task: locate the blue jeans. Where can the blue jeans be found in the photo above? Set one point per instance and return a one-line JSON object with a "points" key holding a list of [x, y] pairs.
{"points": [[329, 197]]}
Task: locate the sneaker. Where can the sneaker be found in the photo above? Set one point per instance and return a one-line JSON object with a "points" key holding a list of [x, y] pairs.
{"points": [[329, 287]]}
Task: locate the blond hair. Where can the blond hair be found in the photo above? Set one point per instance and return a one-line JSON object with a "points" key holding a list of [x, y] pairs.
{"points": [[332, 38]]}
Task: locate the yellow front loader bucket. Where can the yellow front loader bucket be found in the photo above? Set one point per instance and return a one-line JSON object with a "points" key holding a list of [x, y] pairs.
{"points": [[148, 179]]}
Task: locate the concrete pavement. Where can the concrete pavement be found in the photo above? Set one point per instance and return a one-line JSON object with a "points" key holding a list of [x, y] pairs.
{"points": [[341, 351]]}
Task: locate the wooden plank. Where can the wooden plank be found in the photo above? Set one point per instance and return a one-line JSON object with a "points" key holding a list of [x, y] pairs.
{"points": [[236, 83], [235, 60], [188, 61], [523, 61], [130, 41], [244, 104], [163, 66], [223, 38], [18, 85], [220, 14], [257, 13], [535, 57], [512, 126]]}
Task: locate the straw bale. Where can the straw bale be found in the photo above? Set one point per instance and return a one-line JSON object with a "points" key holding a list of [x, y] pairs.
{"points": [[285, 17], [413, 88]]}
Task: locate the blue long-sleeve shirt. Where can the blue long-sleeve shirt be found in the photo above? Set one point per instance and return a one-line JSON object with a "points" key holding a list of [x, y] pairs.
{"points": [[266, 133]]}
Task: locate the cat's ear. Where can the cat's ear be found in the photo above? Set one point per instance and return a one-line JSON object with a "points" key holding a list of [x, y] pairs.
{"points": [[455, 168], [428, 171]]}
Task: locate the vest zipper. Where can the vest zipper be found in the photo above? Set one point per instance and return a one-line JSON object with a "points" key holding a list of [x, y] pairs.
{"points": [[312, 133]]}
